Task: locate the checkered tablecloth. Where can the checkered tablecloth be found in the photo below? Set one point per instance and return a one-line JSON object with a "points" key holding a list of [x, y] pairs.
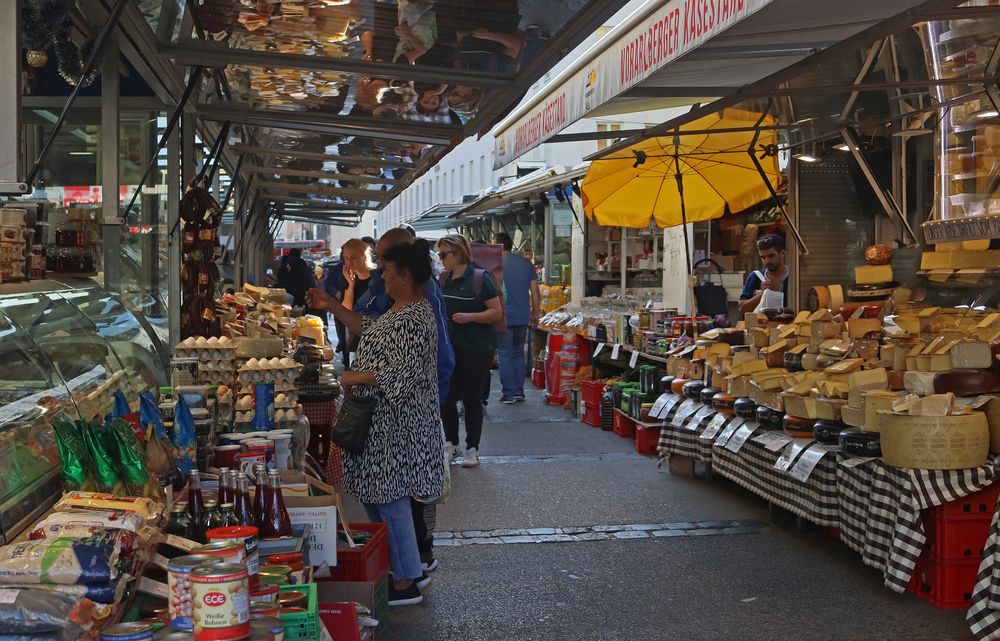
{"points": [[678, 437], [752, 467], [880, 511], [983, 616]]}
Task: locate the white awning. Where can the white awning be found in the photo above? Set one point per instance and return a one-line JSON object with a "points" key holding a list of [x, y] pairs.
{"points": [[683, 52]]}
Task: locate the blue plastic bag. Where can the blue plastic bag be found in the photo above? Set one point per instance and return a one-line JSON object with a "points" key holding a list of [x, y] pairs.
{"points": [[185, 440], [121, 407], [149, 412]]}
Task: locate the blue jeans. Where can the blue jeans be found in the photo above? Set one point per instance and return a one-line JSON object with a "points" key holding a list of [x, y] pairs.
{"points": [[404, 556], [510, 345]]}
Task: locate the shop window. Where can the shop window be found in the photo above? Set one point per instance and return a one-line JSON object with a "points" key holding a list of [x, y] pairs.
{"points": [[603, 127]]}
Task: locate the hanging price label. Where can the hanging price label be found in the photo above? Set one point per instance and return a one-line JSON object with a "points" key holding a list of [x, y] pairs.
{"points": [[792, 451], [614, 351], [635, 359], [807, 463], [728, 432], [597, 350], [657, 410], [772, 441], [735, 444], [686, 409], [698, 418], [672, 402], [856, 461], [717, 423]]}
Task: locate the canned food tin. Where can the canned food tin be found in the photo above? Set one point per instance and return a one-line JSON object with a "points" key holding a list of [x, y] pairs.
{"points": [[179, 588], [266, 593], [155, 610], [292, 599], [263, 608], [282, 571], [294, 561], [227, 551], [221, 604], [169, 634], [247, 536], [269, 623], [128, 632], [261, 635]]}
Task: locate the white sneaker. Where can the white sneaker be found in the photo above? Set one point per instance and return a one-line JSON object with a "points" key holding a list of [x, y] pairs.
{"points": [[471, 458], [451, 452], [461, 408]]}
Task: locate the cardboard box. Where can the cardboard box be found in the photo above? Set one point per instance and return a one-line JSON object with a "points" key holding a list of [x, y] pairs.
{"points": [[362, 592], [728, 263]]}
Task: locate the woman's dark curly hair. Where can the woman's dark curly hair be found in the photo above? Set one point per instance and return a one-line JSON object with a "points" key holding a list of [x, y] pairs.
{"points": [[414, 258]]}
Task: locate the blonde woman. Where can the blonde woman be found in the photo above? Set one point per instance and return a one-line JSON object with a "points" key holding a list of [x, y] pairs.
{"points": [[473, 305], [348, 281]]}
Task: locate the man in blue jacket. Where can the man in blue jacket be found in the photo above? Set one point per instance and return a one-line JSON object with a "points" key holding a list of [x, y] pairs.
{"points": [[374, 303]]}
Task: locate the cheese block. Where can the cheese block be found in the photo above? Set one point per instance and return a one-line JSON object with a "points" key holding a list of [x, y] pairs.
{"points": [[868, 379], [856, 398], [935, 442], [759, 337], [860, 327], [875, 402], [747, 367], [992, 411], [810, 362], [845, 366], [801, 406], [872, 274], [852, 416], [897, 379], [971, 355], [835, 347], [826, 329], [960, 259], [966, 382], [831, 389], [739, 386], [919, 383], [829, 408]]}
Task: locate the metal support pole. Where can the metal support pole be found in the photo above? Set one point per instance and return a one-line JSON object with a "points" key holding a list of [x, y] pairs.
{"points": [[10, 100], [174, 189], [111, 215], [884, 197]]}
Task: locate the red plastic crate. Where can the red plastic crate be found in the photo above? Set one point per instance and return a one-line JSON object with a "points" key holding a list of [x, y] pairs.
{"points": [[555, 400], [945, 584], [646, 440], [369, 562], [957, 539], [591, 415], [538, 378], [623, 426], [593, 391], [974, 507]]}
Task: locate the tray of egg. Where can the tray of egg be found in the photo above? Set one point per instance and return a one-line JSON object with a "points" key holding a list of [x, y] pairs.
{"points": [[280, 371], [244, 409], [213, 353], [286, 408]]}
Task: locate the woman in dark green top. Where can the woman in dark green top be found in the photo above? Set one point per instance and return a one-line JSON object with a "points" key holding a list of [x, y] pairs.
{"points": [[470, 296]]}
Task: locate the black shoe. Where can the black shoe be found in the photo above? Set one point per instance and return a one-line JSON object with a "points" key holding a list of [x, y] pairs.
{"points": [[406, 596], [428, 563], [423, 581], [518, 398]]}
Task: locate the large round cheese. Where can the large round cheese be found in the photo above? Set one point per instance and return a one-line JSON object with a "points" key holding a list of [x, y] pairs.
{"points": [[935, 442]]}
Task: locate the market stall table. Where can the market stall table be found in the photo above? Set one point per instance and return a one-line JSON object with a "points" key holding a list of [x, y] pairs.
{"points": [[983, 616], [880, 510], [681, 431]]}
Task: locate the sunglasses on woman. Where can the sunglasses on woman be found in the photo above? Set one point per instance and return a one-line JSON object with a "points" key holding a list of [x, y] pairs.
{"points": [[444, 254]]}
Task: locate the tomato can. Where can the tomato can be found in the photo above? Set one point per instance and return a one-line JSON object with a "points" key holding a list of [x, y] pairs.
{"points": [[246, 535], [128, 632], [224, 551], [270, 624], [267, 593], [179, 588], [221, 603]]}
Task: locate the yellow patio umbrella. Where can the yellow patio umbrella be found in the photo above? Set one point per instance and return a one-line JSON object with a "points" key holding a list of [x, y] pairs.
{"points": [[699, 173]]}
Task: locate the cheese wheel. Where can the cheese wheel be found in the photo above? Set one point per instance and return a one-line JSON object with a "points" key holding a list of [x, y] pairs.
{"points": [[818, 298], [836, 297], [810, 362], [966, 382], [792, 361], [935, 442], [897, 378], [677, 386]]}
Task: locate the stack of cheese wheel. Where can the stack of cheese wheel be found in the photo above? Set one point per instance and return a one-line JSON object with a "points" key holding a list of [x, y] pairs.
{"points": [[935, 442], [873, 282]]}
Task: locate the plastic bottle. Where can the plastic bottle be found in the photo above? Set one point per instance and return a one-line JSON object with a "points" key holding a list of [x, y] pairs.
{"points": [[276, 521], [243, 507], [196, 507]]}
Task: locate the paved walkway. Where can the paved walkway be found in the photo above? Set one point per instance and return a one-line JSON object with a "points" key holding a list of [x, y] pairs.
{"points": [[565, 533]]}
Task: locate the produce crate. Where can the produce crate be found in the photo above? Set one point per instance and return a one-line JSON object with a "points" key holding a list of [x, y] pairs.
{"points": [[593, 392], [623, 425], [366, 563], [591, 415], [956, 540], [538, 378], [302, 626], [646, 440], [607, 415], [974, 507], [945, 584]]}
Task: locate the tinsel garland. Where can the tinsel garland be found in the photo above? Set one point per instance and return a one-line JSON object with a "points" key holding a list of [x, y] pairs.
{"points": [[50, 27]]}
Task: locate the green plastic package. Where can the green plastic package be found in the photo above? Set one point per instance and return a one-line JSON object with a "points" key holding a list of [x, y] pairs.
{"points": [[102, 467], [129, 457], [74, 457]]}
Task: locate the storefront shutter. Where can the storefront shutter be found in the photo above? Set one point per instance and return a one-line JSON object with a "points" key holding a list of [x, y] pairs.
{"points": [[832, 224]]}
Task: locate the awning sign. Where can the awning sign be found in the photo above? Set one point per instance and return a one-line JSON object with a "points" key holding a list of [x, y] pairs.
{"points": [[674, 29]]}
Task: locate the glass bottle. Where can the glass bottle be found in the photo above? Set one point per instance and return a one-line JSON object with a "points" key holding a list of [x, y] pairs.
{"points": [[213, 516], [243, 507], [179, 524], [276, 521], [196, 507], [228, 515], [260, 473], [223, 495]]}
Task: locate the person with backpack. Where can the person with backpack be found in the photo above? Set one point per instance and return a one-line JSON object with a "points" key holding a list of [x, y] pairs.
{"points": [[474, 307]]}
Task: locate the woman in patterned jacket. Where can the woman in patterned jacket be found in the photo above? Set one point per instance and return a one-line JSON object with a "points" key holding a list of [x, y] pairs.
{"points": [[396, 364]]}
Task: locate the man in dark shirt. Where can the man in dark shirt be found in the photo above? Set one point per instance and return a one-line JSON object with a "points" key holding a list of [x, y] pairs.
{"points": [[296, 277], [773, 276]]}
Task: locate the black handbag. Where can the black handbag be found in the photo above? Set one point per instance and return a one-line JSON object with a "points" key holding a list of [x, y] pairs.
{"points": [[710, 297], [354, 422]]}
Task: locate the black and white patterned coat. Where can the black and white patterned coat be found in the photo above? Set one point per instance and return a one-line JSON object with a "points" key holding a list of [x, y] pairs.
{"points": [[403, 454]]}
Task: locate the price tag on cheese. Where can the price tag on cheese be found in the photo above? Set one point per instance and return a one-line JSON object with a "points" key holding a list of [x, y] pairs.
{"points": [[735, 443], [614, 351], [686, 409], [856, 461], [592, 331], [728, 431], [807, 463], [598, 349], [717, 423], [791, 453], [698, 418], [657, 411], [634, 360], [672, 402], [772, 441]]}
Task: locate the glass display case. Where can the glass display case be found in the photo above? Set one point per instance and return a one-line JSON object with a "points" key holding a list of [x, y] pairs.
{"points": [[64, 351]]}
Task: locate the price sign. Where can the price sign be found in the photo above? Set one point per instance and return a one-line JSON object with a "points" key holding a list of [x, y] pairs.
{"points": [[717, 423], [657, 410], [614, 351], [698, 418], [857, 460], [772, 441], [735, 443], [323, 536], [634, 360], [792, 451], [686, 409], [807, 463], [672, 402], [597, 350], [728, 432]]}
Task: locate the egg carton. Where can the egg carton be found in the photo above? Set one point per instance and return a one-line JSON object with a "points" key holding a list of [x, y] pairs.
{"points": [[269, 364], [283, 400], [218, 366], [283, 385]]}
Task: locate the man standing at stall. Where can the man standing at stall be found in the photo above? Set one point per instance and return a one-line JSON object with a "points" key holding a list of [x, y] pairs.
{"points": [[521, 301], [767, 287]]}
